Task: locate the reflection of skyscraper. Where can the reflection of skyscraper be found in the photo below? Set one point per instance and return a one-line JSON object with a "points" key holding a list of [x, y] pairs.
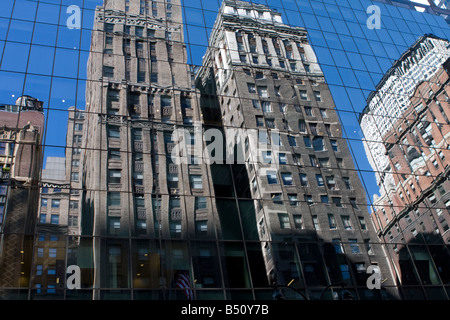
{"points": [[392, 99], [139, 93], [74, 139], [273, 97], [21, 128], [415, 201], [58, 213]]}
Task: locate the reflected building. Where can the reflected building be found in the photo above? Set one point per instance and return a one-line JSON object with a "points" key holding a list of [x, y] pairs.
{"points": [[275, 105], [415, 197], [213, 182], [141, 108], [74, 139], [437, 7], [392, 98], [21, 134]]}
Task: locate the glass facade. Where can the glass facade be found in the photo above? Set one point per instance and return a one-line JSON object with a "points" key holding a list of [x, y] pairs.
{"points": [[224, 150]]}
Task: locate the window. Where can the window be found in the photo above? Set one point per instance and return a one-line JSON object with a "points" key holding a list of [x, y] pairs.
{"points": [[293, 200], [316, 222], [338, 248], [313, 128], [166, 101], [200, 203], [114, 153], [303, 95], [109, 27], [44, 202], [297, 159], [302, 126], [256, 104], [334, 145], [75, 176], [309, 111], [332, 221], [55, 203], [77, 138], [259, 75], [293, 65], [266, 106], [174, 202], [52, 253], [346, 222], [313, 161], [317, 96], [188, 120], [287, 178], [73, 204], [276, 198], [196, 181], [292, 141], [354, 246], [309, 199], [259, 121], [272, 177], [114, 132], [318, 144], [324, 198], [114, 225], [324, 162], [284, 221], [303, 179], [319, 179], [108, 72], [353, 203], [282, 158], [114, 199], [307, 141], [262, 92], [347, 182], [251, 87], [54, 219], [331, 183], [298, 221], [368, 247], [42, 218], [337, 201], [115, 175], [362, 223]]}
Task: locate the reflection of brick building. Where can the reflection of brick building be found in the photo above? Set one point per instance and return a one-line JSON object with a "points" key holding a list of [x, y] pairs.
{"points": [[20, 160], [416, 206], [58, 212]]}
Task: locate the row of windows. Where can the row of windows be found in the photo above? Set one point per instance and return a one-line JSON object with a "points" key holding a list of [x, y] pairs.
{"points": [[316, 143], [263, 92], [329, 180], [332, 224]]}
